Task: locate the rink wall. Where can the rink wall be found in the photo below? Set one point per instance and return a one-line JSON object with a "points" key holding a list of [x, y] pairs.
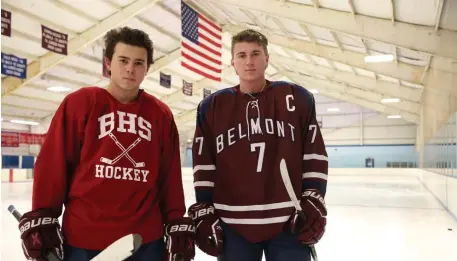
{"points": [[17, 175], [439, 165], [367, 128], [443, 187], [21, 175]]}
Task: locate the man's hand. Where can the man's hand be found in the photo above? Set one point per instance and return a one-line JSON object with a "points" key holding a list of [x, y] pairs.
{"points": [[209, 233], [40, 234], [179, 240], [309, 224]]}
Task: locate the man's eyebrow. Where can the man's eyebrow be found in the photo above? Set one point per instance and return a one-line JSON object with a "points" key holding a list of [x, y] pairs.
{"points": [[125, 57]]}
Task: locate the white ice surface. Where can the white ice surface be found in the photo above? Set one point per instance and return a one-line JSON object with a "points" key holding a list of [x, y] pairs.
{"points": [[371, 218]]}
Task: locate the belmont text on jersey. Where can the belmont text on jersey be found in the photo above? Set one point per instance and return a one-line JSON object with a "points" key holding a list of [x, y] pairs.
{"points": [[124, 123], [255, 127]]}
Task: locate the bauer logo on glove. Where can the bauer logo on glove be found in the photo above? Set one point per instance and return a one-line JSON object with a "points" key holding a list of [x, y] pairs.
{"points": [[202, 211], [38, 222], [182, 228]]}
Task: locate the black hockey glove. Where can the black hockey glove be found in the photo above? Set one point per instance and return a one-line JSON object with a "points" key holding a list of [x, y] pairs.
{"points": [[309, 225], [209, 233], [40, 234], [179, 240]]}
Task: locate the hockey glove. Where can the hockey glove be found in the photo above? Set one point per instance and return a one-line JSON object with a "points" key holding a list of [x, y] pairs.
{"points": [[309, 224], [179, 240], [209, 233], [40, 234]]}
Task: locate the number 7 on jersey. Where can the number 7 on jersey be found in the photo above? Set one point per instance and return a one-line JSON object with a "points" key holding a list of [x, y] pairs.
{"points": [[261, 147]]}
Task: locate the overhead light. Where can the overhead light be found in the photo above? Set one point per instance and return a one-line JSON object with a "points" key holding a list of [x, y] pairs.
{"points": [[189, 140], [390, 100], [394, 117], [333, 109], [314, 91], [59, 89], [379, 58], [24, 122]]}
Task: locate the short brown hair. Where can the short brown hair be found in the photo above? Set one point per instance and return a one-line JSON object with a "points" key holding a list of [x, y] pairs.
{"points": [[250, 36], [128, 36]]}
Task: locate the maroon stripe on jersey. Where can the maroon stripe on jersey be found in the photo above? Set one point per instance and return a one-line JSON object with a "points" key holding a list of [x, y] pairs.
{"points": [[318, 148], [204, 175], [315, 166]]}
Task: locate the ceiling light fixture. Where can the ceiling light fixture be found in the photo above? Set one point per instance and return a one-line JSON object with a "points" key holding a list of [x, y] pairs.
{"points": [[24, 122], [394, 117], [379, 58], [59, 89], [333, 109], [390, 100], [314, 91]]}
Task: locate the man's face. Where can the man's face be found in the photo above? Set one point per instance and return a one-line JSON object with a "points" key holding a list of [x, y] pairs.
{"points": [[128, 66], [249, 60]]}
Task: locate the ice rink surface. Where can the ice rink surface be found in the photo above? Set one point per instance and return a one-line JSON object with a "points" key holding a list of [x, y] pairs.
{"points": [[371, 218]]}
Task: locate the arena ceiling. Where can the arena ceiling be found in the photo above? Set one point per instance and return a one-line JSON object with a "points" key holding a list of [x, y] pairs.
{"points": [[322, 45]]}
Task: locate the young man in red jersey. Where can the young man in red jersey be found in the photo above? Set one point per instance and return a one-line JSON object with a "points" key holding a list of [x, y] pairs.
{"points": [[111, 157], [242, 133]]}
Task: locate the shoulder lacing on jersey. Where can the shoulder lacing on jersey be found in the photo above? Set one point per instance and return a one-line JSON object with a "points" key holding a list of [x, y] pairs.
{"points": [[252, 105]]}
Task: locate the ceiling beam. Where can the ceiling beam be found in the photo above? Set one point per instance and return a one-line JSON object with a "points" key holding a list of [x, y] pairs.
{"points": [[406, 35], [389, 90], [8, 117], [435, 79], [402, 71], [76, 44], [40, 20], [402, 106]]}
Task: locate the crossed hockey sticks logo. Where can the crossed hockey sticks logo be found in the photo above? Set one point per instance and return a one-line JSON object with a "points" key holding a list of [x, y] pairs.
{"points": [[125, 152]]}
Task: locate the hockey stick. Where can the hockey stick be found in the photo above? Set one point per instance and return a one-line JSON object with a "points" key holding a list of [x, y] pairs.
{"points": [[135, 164], [121, 249], [290, 190], [117, 251], [113, 161]]}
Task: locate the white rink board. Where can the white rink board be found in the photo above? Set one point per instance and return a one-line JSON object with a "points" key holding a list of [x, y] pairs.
{"points": [[374, 214], [443, 187]]}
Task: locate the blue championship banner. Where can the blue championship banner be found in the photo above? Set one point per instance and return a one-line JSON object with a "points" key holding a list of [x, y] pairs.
{"points": [[14, 66]]}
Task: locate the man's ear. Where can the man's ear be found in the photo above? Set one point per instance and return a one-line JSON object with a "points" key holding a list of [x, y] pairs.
{"points": [[107, 63], [233, 65]]}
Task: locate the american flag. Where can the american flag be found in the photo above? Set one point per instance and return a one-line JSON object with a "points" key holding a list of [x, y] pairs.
{"points": [[201, 45]]}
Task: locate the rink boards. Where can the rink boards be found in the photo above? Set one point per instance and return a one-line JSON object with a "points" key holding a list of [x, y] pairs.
{"points": [[444, 188]]}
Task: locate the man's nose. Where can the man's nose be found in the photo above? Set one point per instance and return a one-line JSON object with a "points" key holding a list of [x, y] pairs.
{"points": [[130, 68], [249, 60]]}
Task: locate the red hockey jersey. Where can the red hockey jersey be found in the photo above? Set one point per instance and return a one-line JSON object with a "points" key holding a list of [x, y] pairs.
{"points": [[238, 145], [116, 168]]}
